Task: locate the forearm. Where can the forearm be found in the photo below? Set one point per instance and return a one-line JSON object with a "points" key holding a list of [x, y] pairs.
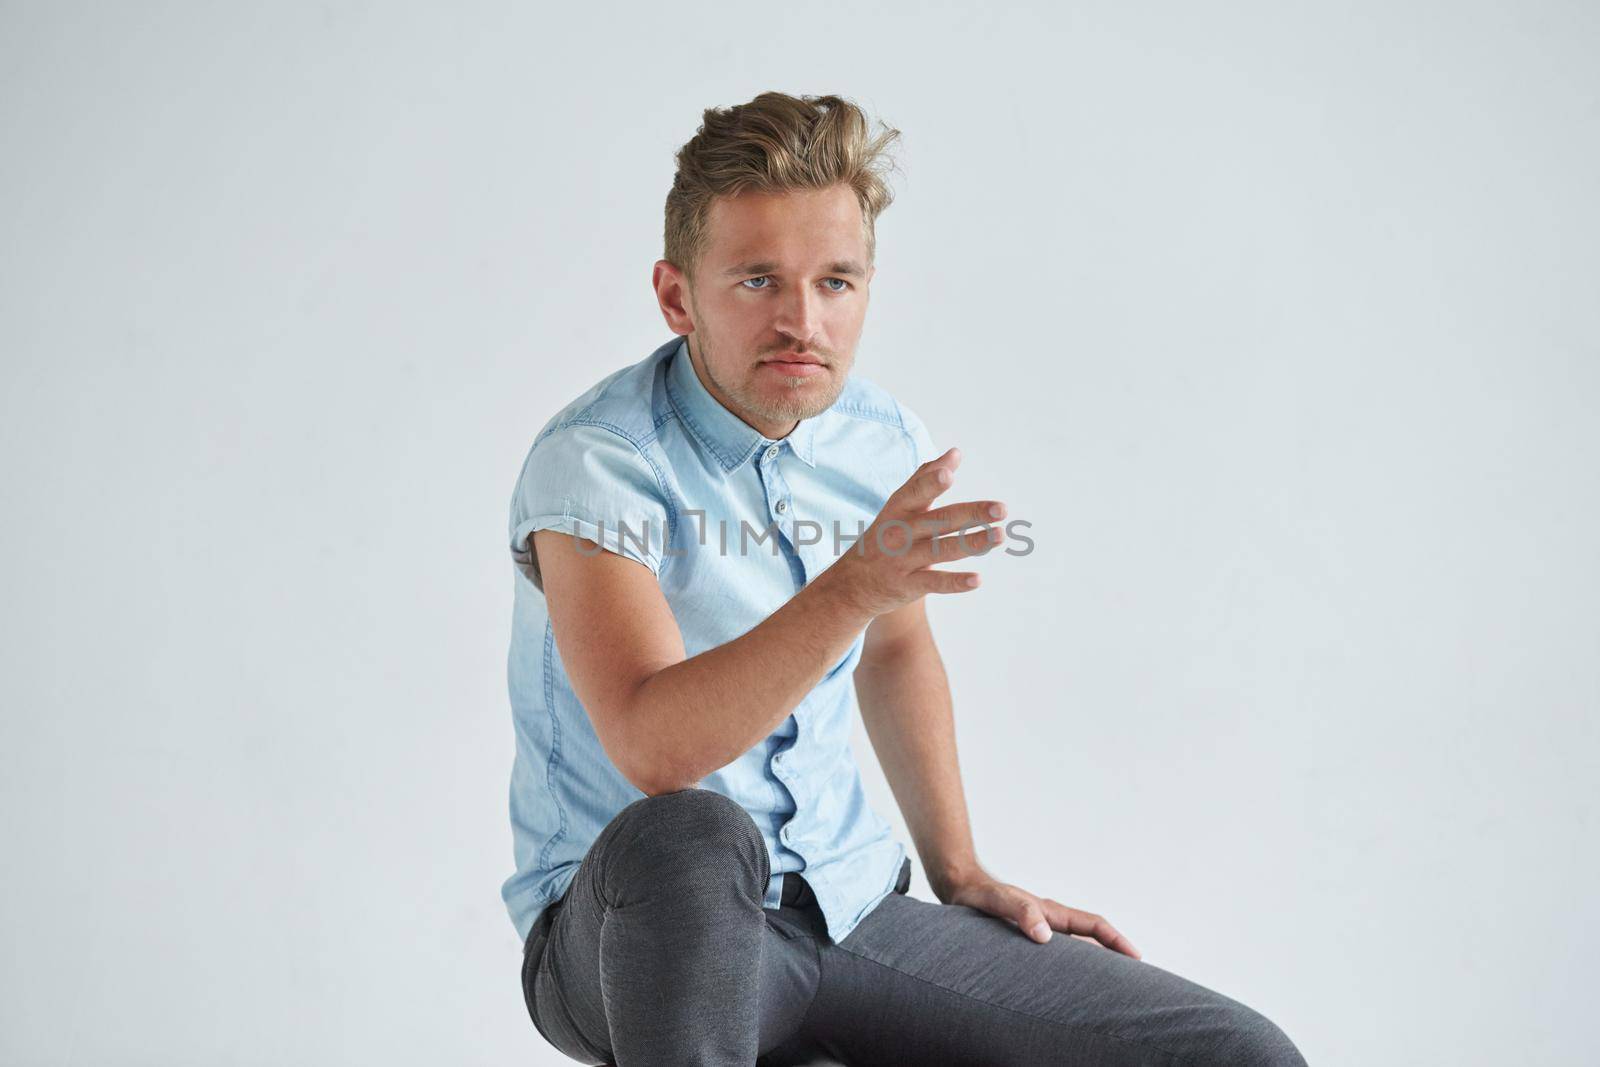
{"points": [[906, 708], [703, 712]]}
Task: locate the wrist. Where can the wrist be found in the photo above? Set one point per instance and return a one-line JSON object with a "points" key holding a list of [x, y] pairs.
{"points": [[839, 599], [945, 879]]}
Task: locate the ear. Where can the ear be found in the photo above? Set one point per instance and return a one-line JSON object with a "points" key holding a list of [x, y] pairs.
{"points": [[672, 294]]}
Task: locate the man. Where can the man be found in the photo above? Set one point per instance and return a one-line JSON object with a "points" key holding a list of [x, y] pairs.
{"points": [[714, 545]]}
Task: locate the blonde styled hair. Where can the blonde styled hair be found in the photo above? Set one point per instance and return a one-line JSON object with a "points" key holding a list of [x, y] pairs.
{"points": [[775, 143]]}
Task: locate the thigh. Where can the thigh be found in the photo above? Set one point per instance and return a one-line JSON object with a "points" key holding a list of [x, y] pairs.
{"points": [[924, 982]]}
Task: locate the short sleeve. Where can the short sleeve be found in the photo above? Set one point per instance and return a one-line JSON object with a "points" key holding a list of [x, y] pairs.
{"points": [[922, 447], [594, 483]]}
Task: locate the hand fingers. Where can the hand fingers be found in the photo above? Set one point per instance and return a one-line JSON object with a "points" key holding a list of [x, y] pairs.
{"points": [[1032, 921], [915, 535], [944, 549], [898, 537], [1088, 924], [928, 481], [962, 516], [932, 581]]}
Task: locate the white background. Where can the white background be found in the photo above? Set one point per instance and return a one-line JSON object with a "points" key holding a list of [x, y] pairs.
{"points": [[1278, 322]]}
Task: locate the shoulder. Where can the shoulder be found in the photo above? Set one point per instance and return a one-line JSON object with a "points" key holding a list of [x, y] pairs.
{"points": [[875, 411], [864, 400], [593, 472], [624, 404], [595, 457]]}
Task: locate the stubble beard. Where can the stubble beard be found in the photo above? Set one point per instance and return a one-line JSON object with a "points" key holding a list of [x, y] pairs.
{"points": [[799, 398]]}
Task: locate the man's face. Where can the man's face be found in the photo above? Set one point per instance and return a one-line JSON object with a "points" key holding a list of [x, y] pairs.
{"points": [[784, 276]]}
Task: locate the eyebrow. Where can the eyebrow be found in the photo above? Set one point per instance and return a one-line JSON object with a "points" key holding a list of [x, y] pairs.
{"points": [[843, 266]]}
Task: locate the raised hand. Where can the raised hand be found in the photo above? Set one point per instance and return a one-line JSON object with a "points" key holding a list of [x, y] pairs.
{"points": [[892, 562]]}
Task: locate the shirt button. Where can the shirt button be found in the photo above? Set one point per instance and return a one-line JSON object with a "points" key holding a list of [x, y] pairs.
{"points": [[783, 505], [773, 451]]}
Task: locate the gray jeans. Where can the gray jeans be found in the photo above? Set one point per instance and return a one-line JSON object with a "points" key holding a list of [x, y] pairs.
{"points": [[660, 953]]}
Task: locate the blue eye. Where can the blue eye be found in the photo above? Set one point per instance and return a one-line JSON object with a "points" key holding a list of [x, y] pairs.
{"points": [[845, 286]]}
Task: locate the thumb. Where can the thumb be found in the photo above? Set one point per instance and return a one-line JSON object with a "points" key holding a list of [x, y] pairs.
{"points": [[1033, 923]]}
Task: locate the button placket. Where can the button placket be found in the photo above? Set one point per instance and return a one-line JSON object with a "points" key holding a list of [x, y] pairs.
{"points": [[779, 762], [772, 480], [780, 487]]}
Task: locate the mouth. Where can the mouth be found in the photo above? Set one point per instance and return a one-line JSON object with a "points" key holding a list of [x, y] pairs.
{"points": [[795, 366]]}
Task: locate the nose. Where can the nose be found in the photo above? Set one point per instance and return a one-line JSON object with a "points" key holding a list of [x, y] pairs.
{"points": [[798, 313]]}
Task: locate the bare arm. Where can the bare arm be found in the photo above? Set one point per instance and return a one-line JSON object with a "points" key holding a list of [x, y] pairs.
{"points": [[667, 720], [906, 707]]}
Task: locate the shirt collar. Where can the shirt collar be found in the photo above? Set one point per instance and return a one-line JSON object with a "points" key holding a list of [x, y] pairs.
{"points": [[728, 437]]}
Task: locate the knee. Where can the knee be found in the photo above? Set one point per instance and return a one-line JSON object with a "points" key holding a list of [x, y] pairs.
{"points": [[694, 836], [1257, 1041]]}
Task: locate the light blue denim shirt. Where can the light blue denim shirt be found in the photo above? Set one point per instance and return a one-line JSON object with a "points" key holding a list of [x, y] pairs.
{"points": [[650, 465]]}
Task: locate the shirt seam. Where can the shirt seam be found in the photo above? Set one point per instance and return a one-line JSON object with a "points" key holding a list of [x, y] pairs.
{"points": [[855, 411], [580, 415], [553, 763]]}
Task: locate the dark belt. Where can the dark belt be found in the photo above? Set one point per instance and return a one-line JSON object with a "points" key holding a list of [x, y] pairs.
{"points": [[795, 890]]}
